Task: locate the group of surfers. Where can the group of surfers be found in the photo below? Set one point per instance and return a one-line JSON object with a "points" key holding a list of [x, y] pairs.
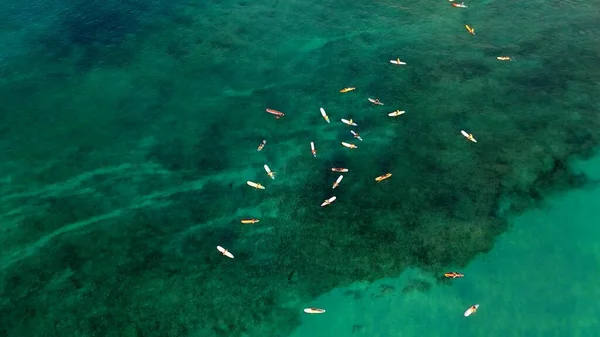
{"points": [[349, 122]]}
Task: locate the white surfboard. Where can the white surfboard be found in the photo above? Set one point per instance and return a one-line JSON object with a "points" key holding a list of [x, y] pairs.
{"points": [[261, 145], [471, 310], [314, 311], [312, 149], [338, 181], [356, 135], [255, 185], [468, 136], [397, 61], [269, 172], [374, 101], [324, 114], [328, 201], [348, 145], [225, 252], [396, 113], [349, 122]]}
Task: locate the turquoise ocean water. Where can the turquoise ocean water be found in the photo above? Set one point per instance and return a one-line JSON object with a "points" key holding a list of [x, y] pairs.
{"points": [[129, 130]]}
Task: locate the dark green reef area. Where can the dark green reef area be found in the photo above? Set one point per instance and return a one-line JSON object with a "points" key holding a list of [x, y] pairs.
{"points": [[129, 129]]}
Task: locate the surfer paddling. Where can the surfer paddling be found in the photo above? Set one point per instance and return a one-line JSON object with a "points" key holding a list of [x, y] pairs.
{"points": [[269, 172], [328, 201], [460, 5], [278, 114], [356, 135], [339, 169], [383, 177], [261, 145], [337, 182], [471, 310], [349, 122], [255, 185], [345, 90], [375, 101], [250, 221], [314, 311], [225, 252], [396, 113], [503, 58], [324, 114], [470, 30], [468, 136], [313, 150], [350, 146], [454, 274]]}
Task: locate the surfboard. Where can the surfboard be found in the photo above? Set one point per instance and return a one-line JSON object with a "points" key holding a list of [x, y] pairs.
{"points": [[324, 114], [468, 136], [348, 122], [261, 145], [225, 252], [269, 172], [314, 311], [470, 29], [338, 181], [356, 135], [275, 112], [397, 62], [383, 177], [328, 201], [471, 310], [255, 185], [396, 113], [374, 101]]}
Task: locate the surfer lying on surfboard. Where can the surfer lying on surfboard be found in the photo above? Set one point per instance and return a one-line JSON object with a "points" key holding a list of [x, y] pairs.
{"points": [[260, 147], [269, 172], [339, 169], [349, 122], [347, 90], [278, 114], [468, 136], [350, 146], [471, 310], [375, 101], [383, 177], [328, 201], [313, 150], [225, 252], [250, 221], [470, 30], [356, 135], [314, 311], [324, 114], [453, 274], [337, 182], [460, 5], [396, 113], [255, 185]]}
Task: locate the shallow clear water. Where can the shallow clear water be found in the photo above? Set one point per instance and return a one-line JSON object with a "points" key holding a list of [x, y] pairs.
{"points": [[130, 129]]}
